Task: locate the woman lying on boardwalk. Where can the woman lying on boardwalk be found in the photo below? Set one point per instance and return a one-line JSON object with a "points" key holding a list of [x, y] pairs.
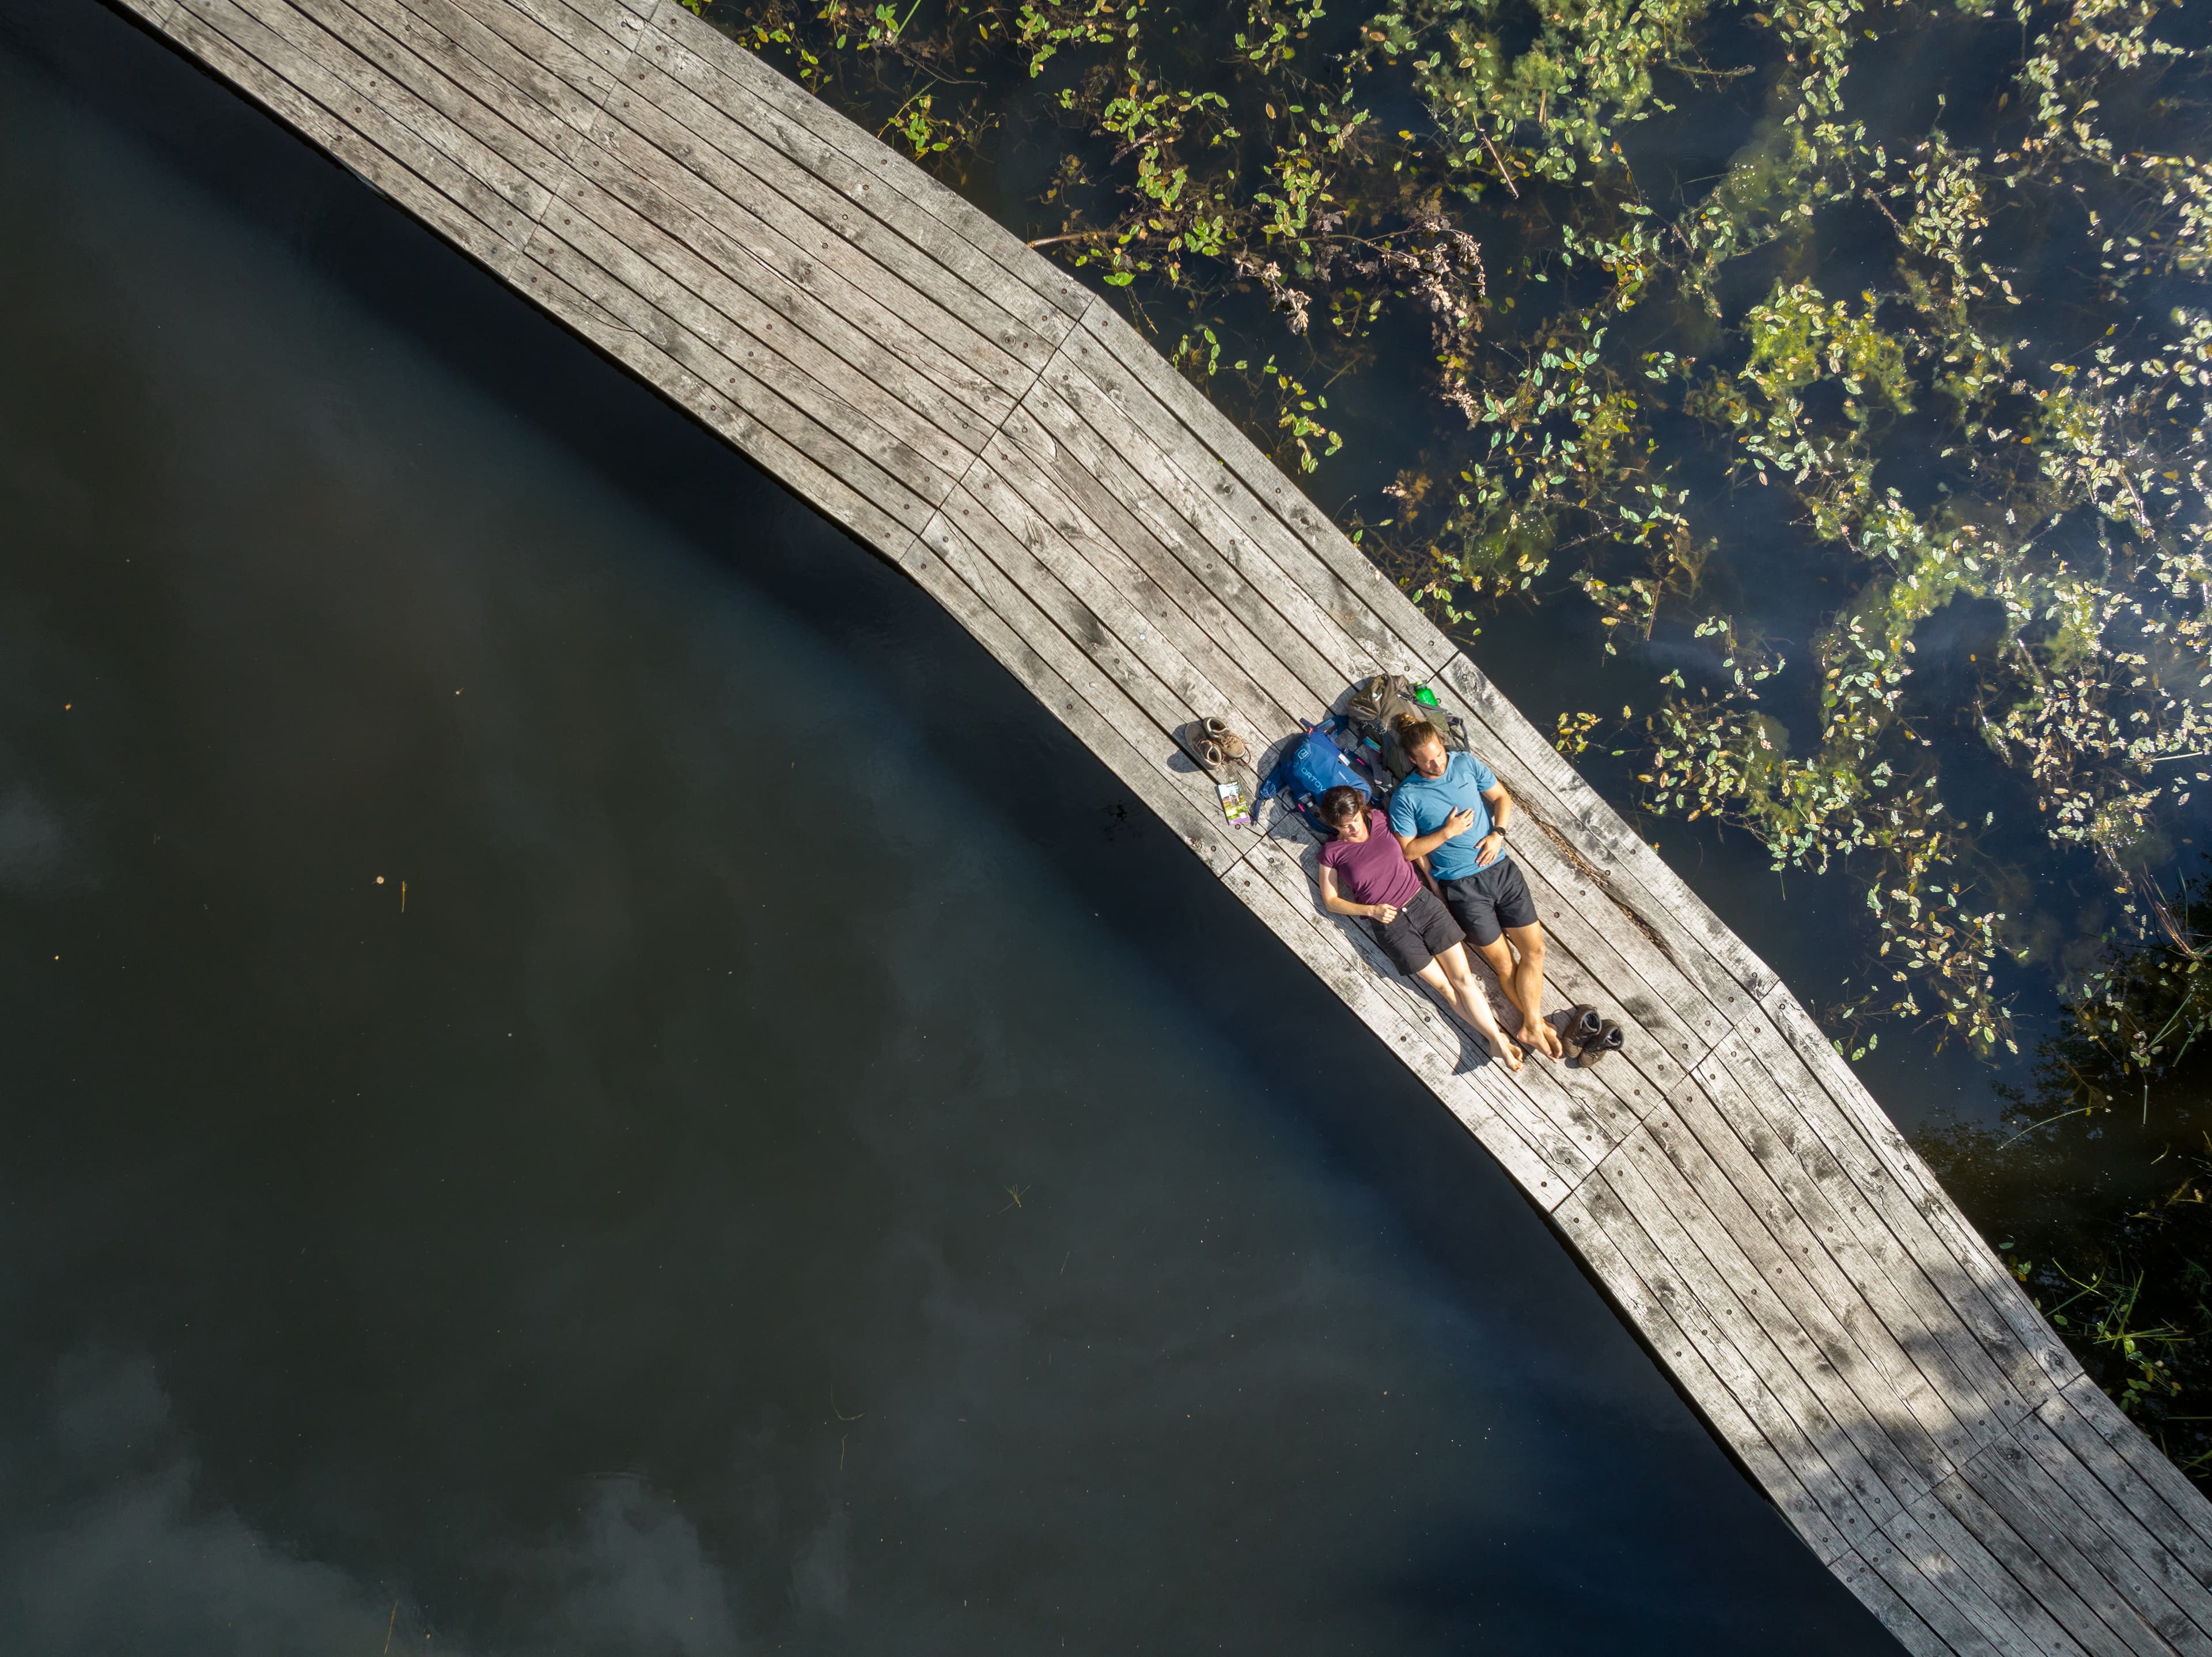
{"points": [[1365, 873]]}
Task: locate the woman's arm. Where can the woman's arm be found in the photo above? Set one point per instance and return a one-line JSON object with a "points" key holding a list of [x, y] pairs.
{"points": [[1337, 903]]}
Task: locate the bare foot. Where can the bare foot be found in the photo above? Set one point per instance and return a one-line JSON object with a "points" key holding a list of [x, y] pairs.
{"points": [[1502, 1046], [1539, 1034]]}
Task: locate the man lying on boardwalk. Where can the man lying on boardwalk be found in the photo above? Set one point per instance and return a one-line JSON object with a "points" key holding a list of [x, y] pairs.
{"points": [[1365, 873], [1452, 810]]}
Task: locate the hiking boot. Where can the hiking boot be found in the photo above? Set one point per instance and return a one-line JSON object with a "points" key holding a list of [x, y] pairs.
{"points": [[1215, 745], [1581, 1026], [1610, 1039]]}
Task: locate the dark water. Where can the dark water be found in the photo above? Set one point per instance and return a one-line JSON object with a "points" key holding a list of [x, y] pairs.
{"points": [[583, 1073]]}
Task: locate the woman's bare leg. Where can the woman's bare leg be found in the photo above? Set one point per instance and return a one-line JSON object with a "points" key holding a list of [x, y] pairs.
{"points": [[1448, 976]]}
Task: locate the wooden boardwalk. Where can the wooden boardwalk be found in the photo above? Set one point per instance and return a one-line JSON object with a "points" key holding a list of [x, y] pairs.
{"points": [[986, 423]]}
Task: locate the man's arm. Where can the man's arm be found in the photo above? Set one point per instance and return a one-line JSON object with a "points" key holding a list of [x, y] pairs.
{"points": [[1421, 846], [1491, 846]]}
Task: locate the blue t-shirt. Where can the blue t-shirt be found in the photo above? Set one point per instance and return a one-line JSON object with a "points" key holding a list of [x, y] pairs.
{"points": [[1420, 804]]}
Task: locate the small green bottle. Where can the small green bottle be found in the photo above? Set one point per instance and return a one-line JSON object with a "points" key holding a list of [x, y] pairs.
{"points": [[1425, 696]]}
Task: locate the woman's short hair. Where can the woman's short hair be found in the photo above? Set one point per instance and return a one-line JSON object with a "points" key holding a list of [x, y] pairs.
{"points": [[1341, 804], [1414, 732]]}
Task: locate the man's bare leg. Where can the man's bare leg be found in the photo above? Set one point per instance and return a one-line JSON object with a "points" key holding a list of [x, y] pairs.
{"points": [[1523, 981], [1460, 992]]}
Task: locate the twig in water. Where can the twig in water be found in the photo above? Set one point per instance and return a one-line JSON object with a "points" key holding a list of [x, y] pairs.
{"points": [[2045, 1122], [1500, 159], [1072, 236], [390, 1623]]}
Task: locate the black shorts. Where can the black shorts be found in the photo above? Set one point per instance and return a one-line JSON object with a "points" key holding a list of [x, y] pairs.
{"points": [[1488, 901], [1423, 931]]}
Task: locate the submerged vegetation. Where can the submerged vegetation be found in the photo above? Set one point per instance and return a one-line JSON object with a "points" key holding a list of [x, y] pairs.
{"points": [[2099, 1192], [1801, 345]]}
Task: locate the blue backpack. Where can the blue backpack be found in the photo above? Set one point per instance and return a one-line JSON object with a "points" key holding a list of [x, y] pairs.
{"points": [[1310, 768]]}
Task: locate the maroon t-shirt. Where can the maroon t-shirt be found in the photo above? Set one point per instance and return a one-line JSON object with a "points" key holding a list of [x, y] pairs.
{"points": [[1373, 870]]}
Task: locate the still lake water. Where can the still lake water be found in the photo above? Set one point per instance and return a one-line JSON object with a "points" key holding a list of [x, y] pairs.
{"points": [[584, 1074]]}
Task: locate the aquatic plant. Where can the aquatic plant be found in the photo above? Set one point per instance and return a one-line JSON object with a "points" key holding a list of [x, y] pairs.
{"points": [[2095, 1187]]}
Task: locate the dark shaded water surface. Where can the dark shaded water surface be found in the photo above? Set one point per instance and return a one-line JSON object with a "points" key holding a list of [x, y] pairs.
{"points": [[584, 1074]]}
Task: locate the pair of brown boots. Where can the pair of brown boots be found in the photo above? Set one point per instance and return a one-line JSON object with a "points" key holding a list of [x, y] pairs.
{"points": [[1211, 743], [1591, 1036]]}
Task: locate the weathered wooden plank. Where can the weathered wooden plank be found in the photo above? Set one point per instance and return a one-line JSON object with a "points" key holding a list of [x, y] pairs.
{"points": [[2033, 1593], [994, 262], [617, 335], [1872, 1167], [827, 434], [1261, 597], [1836, 1310], [953, 537], [1924, 1586], [807, 357], [2148, 1487], [552, 91], [1983, 1593], [1704, 1017], [1063, 535], [1085, 606], [841, 352], [2134, 1614], [1974, 1403], [947, 566], [1762, 1282], [354, 128], [1138, 448], [1331, 564], [1027, 321], [515, 124], [1872, 1470], [1624, 1087], [1056, 483], [578, 45], [1618, 986], [643, 220], [1820, 1460], [444, 152], [1912, 1630], [825, 288], [1336, 616], [1677, 1353], [787, 216]]}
